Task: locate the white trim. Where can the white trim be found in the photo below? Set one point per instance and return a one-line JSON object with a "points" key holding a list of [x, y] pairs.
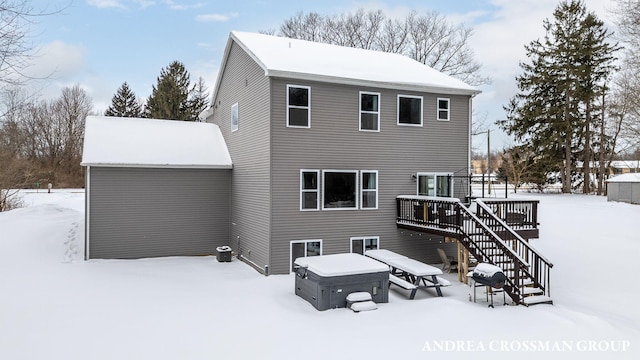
{"points": [[421, 110], [308, 107], [435, 184], [370, 83], [448, 109], [469, 136], [159, 166], [302, 191], [87, 192], [360, 111], [324, 183], [363, 238], [362, 190], [291, 259], [237, 117]]}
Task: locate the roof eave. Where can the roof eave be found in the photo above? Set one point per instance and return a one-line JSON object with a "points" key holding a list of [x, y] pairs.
{"points": [[370, 83], [160, 166]]}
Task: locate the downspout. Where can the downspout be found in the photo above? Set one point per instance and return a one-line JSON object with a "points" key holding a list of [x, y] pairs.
{"points": [[469, 133], [87, 216]]}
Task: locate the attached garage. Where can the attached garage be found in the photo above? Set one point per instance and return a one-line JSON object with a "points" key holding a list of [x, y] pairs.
{"points": [[624, 188], [155, 188]]}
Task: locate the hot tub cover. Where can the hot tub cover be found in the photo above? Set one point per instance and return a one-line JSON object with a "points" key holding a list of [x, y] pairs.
{"points": [[340, 264]]}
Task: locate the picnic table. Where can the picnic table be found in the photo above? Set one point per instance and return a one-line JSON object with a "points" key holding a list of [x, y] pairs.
{"points": [[417, 273]]}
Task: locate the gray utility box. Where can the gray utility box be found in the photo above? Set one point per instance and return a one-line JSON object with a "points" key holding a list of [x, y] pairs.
{"points": [[223, 254], [326, 281]]}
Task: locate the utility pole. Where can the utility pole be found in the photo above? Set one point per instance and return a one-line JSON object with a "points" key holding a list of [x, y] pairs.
{"points": [[488, 131], [489, 158]]}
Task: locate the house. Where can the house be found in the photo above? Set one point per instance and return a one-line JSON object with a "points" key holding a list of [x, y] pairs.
{"points": [[308, 149], [624, 188], [324, 138], [624, 166], [154, 188]]}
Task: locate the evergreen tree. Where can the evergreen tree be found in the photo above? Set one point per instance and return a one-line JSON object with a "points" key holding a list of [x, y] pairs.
{"points": [[553, 111], [173, 98], [124, 103], [198, 98]]}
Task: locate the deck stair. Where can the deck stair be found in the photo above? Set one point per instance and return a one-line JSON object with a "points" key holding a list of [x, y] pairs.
{"points": [[488, 237]]}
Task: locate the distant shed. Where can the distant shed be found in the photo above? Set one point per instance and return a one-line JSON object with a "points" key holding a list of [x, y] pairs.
{"points": [[155, 188], [624, 188]]}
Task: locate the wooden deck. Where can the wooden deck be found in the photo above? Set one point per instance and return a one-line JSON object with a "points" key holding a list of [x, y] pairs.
{"points": [[496, 232]]}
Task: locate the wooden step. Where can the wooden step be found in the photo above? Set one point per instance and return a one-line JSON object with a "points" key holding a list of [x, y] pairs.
{"points": [[526, 282], [536, 299]]}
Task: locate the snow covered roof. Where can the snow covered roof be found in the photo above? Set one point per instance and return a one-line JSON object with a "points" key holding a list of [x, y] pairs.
{"points": [[341, 264], [628, 164], [307, 60], [633, 177], [135, 142]]}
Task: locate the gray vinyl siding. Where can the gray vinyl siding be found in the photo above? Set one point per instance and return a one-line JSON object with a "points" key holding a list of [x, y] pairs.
{"points": [[134, 212], [334, 142], [628, 192], [244, 82]]}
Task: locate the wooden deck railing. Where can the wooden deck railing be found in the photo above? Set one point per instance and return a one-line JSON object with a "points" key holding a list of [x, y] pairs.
{"points": [[518, 214], [540, 268], [489, 238]]}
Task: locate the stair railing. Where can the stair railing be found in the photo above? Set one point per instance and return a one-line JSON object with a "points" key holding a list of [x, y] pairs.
{"points": [[449, 215], [540, 267]]}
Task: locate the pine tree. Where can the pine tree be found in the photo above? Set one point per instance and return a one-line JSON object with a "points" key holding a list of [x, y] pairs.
{"points": [[198, 98], [553, 110], [173, 98], [124, 103]]}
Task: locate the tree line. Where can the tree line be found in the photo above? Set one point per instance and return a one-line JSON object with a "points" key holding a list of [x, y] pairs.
{"points": [[41, 140], [576, 105]]}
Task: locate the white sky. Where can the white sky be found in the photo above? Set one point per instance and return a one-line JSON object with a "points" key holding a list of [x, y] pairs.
{"points": [[102, 43]]}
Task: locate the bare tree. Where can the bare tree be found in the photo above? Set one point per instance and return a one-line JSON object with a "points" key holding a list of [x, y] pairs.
{"points": [[430, 38], [13, 168], [516, 162], [15, 49], [626, 102]]}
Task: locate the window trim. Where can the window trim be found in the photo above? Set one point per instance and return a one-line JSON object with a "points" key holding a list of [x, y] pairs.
{"points": [[421, 110], [324, 190], [448, 109], [363, 238], [235, 111], [435, 175], [291, 259], [302, 191], [308, 107], [360, 111], [362, 190]]}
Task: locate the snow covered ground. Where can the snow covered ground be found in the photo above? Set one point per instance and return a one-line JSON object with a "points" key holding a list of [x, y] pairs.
{"points": [[54, 305]]}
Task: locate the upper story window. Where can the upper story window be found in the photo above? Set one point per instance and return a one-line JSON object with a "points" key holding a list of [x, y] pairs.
{"points": [[309, 190], [298, 106], [443, 109], [340, 188], [410, 110], [234, 117], [369, 111]]}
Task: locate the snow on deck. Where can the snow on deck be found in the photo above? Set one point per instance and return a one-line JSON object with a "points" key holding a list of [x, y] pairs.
{"points": [[341, 264], [114, 141]]}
